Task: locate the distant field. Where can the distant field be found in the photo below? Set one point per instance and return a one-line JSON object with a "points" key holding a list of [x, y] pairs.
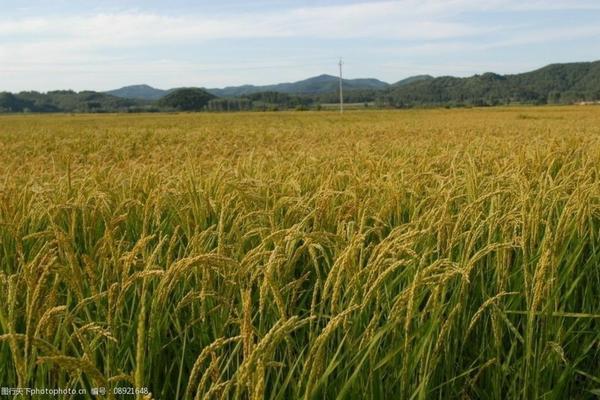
{"points": [[424, 254]]}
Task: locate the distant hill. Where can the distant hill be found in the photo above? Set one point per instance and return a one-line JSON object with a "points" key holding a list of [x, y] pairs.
{"points": [[412, 79], [142, 92], [554, 84], [67, 101], [186, 99], [315, 85]]}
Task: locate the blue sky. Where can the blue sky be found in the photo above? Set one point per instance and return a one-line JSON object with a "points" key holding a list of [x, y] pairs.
{"points": [[101, 45]]}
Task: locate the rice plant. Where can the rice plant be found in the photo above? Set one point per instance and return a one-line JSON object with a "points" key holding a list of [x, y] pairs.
{"points": [[429, 254]]}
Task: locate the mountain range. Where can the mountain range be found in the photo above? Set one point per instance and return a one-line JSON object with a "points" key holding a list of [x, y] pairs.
{"points": [[316, 85], [553, 84]]}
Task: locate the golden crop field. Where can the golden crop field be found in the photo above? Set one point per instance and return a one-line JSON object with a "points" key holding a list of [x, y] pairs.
{"points": [[424, 254]]}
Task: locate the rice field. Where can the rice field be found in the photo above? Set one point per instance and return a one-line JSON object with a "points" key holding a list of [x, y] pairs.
{"points": [[423, 254]]}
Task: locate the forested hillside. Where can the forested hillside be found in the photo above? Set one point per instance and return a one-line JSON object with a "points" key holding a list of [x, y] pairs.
{"points": [[553, 84]]}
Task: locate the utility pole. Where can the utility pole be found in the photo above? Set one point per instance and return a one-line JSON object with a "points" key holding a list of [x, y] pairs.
{"points": [[341, 89]]}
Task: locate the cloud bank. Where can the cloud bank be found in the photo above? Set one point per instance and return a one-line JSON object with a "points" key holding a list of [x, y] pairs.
{"points": [[90, 46]]}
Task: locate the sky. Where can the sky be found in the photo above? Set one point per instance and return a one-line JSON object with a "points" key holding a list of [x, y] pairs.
{"points": [[103, 45]]}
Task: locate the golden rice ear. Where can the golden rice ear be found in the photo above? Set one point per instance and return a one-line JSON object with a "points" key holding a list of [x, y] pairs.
{"points": [[388, 254]]}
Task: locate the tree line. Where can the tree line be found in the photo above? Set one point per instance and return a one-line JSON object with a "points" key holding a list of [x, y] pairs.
{"points": [[554, 84]]}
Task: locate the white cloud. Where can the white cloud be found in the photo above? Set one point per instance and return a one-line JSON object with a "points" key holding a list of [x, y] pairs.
{"points": [[403, 19], [406, 20], [79, 45], [85, 43]]}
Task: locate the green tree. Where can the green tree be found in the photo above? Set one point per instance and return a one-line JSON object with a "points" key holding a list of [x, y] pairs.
{"points": [[191, 99]]}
